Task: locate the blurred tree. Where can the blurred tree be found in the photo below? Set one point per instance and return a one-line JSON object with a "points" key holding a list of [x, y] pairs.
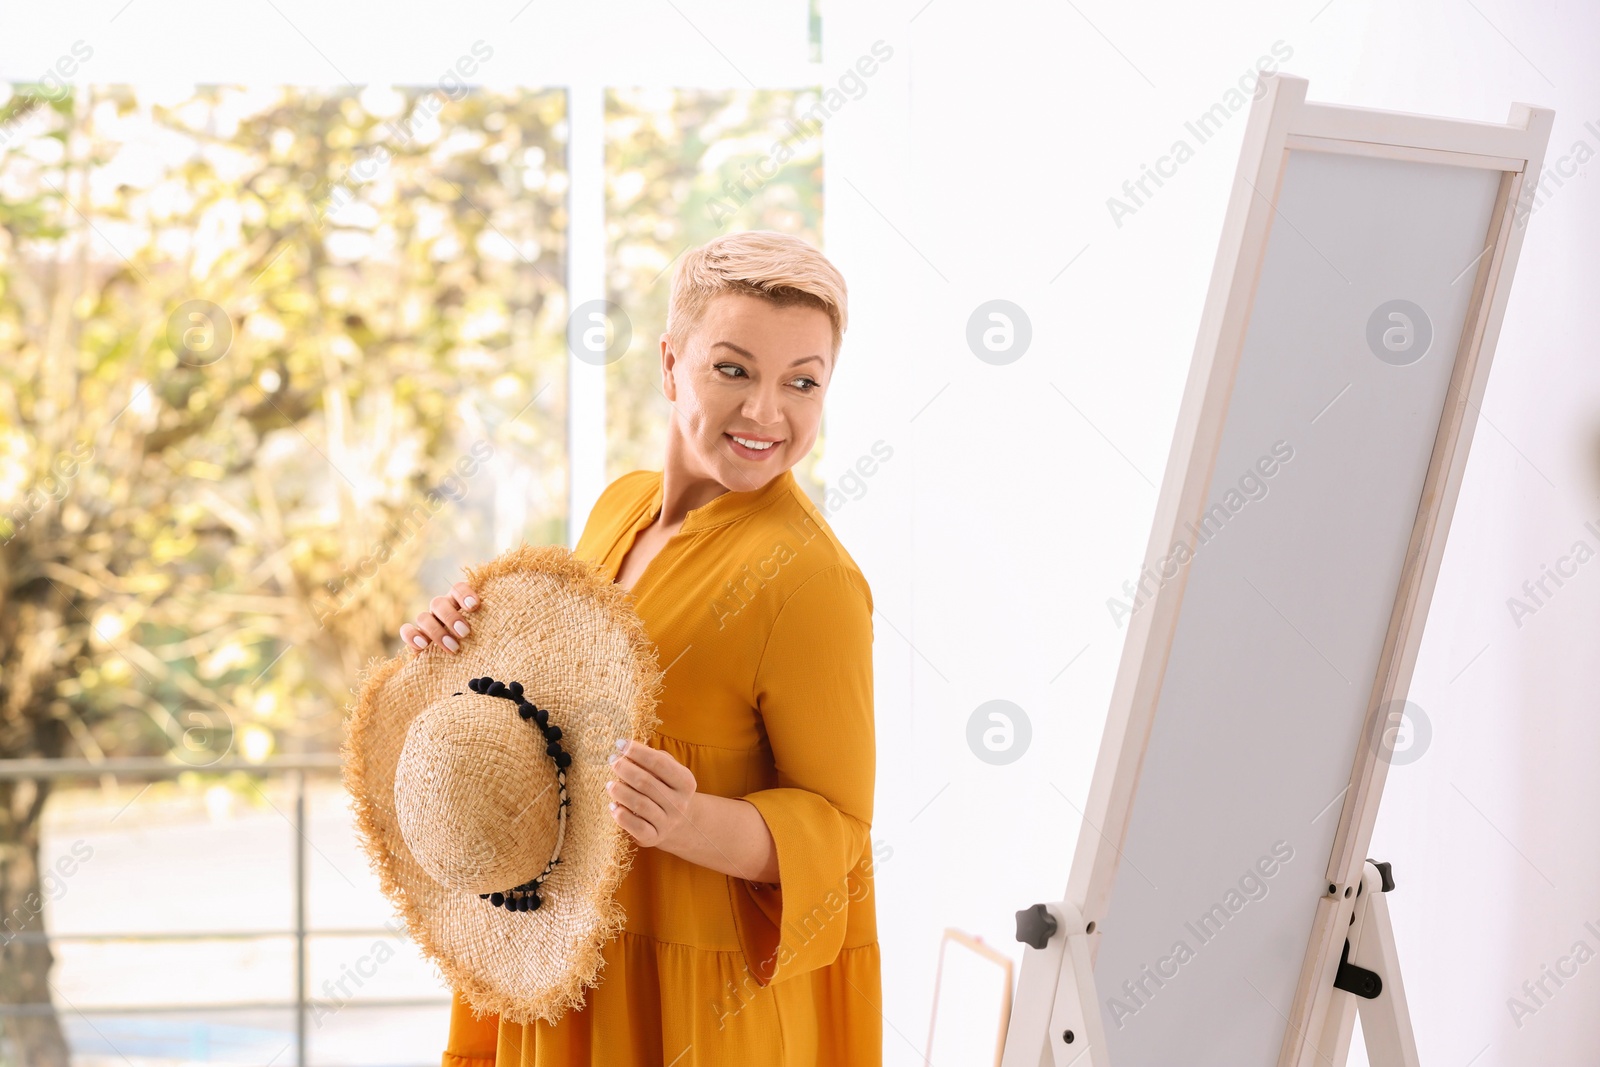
{"points": [[263, 354], [682, 167]]}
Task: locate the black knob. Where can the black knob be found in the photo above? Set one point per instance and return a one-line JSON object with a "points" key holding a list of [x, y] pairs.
{"points": [[1035, 926], [1386, 872]]}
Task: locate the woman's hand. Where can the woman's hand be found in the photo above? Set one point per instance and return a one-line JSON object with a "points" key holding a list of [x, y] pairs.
{"points": [[650, 796], [442, 622], [656, 800]]}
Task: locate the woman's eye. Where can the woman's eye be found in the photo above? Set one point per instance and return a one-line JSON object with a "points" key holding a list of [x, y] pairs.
{"points": [[731, 366], [810, 384]]}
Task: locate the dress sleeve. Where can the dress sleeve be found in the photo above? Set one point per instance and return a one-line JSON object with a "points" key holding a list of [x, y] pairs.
{"points": [[813, 690], [472, 1041]]}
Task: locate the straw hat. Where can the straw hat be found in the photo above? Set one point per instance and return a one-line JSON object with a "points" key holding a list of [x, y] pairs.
{"points": [[478, 781]]}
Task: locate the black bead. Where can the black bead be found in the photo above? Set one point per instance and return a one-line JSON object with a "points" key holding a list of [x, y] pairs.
{"points": [[497, 689], [553, 733], [541, 715], [516, 689], [497, 899], [525, 710], [563, 760]]}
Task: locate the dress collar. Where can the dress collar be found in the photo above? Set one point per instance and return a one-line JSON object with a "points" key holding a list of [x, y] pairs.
{"points": [[726, 507]]}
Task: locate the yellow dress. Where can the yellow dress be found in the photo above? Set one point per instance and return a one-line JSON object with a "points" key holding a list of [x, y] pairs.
{"points": [[763, 625]]}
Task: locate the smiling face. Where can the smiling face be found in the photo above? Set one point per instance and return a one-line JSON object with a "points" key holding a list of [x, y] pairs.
{"points": [[749, 372]]}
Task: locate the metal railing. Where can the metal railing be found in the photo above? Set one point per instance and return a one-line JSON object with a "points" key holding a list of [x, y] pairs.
{"points": [[296, 769]]}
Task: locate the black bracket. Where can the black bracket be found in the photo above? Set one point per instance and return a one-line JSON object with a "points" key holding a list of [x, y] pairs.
{"points": [[1035, 926], [1357, 980]]}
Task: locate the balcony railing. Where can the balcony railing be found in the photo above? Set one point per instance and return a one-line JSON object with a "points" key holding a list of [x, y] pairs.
{"points": [[296, 769]]}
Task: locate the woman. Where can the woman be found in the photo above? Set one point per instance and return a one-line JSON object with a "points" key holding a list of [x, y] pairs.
{"points": [[752, 932]]}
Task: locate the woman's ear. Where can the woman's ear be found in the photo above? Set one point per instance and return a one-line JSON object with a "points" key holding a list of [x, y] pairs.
{"points": [[669, 362]]}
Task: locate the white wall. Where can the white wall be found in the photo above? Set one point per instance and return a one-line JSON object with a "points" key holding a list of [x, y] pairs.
{"points": [[1024, 498]]}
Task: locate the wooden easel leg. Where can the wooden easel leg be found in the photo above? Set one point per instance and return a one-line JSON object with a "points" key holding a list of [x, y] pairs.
{"points": [[1027, 1031], [1055, 1018], [1371, 963], [1386, 1021], [1077, 1033]]}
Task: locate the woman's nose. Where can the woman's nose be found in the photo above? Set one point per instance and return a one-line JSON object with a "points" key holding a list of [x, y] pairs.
{"points": [[764, 409]]}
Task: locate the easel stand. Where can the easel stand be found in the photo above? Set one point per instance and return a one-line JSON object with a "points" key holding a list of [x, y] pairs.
{"points": [[1057, 1023], [1369, 973], [1193, 715]]}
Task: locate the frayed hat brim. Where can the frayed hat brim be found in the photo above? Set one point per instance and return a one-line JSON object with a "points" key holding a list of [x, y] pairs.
{"points": [[556, 623]]}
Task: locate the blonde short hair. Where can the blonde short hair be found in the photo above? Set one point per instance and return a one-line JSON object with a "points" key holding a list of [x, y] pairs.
{"points": [[778, 267]]}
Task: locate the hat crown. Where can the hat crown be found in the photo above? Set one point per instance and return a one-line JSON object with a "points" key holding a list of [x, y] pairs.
{"points": [[476, 794]]}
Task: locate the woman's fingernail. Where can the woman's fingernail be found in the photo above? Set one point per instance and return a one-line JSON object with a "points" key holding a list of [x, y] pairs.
{"points": [[612, 758], [622, 743], [613, 805], [469, 602], [450, 643], [420, 641], [461, 628]]}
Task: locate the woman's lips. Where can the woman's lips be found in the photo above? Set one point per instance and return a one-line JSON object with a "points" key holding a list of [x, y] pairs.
{"points": [[751, 453]]}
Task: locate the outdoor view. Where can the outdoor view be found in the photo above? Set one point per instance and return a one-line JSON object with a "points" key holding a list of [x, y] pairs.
{"points": [[274, 365]]}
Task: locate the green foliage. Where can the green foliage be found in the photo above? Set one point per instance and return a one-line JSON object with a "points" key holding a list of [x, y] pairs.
{"points": [[211, 519]]}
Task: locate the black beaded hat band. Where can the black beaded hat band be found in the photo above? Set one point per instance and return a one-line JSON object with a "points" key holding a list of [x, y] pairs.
{"points": [[525, 897]]}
